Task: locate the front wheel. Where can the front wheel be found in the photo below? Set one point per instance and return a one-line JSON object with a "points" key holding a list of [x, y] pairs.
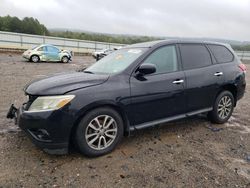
{"points": [[223, 108], [65, 59], [99, 132]]}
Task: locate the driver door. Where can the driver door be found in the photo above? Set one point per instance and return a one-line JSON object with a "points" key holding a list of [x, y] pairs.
{"points": [[159, 95], [43, 54], [53, 53]]}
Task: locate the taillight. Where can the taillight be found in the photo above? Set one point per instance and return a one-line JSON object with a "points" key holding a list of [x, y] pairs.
{"points": [[242, 67]]}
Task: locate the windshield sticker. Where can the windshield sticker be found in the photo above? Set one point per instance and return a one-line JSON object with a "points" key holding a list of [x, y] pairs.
{"points": [[134, 51]]}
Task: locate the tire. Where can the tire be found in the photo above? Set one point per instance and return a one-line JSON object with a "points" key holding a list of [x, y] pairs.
{"points": [[34, 58], [88, 134], [65, 59], [97, 57], [223, 108]]}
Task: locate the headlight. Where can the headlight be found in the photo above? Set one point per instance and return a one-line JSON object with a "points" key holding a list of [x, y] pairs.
{"points": [[49, 103]]}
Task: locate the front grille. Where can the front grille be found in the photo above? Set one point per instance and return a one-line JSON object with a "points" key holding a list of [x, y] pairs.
{"points": [[31, 99]]}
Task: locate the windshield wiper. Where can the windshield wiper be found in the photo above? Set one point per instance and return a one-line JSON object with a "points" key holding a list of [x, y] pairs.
{"points": [[88, 72]]}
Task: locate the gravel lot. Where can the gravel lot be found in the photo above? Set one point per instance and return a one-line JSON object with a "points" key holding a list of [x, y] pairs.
{"points": [[186, 153]]}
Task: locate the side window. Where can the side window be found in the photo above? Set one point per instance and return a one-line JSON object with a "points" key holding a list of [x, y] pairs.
{"points": [[194, 56], [164, 58], [52, 49], [221, 53], [41, 49]]}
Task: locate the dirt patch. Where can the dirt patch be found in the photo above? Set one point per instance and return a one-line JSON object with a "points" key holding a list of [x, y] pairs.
{"points": [[186, 153]]}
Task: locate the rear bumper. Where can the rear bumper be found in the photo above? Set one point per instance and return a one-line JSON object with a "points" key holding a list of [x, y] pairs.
{"points": [[49, 130], [241, 88], [240, 93], [25, 56]]}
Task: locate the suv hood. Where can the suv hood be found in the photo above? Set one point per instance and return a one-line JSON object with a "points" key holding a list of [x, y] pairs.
{"points": [[63, 83]]}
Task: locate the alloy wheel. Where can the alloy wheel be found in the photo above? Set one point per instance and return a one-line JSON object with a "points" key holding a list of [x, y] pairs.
{"points": [[224, 107], [35, 59], [101, 132]]}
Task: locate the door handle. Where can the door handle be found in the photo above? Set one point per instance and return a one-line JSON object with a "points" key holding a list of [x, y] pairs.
{"points": [[178, 81], [218, 73]]}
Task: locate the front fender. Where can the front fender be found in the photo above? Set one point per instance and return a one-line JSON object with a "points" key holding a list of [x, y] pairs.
{"points": [[64, 54], [118, 107], [94, 105]]}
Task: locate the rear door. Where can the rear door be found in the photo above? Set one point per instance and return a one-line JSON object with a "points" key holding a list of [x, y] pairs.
{"points": [[226, 59], [159, 95], [203, 78]]}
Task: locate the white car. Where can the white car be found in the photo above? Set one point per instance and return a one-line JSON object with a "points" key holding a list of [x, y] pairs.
{"points": [[101, 53], [46, 52]]}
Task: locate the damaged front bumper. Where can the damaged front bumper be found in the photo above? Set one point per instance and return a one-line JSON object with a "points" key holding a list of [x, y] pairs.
{"points": [[45, 129], [12, 113]]}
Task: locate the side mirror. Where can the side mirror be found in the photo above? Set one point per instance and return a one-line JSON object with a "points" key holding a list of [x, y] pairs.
{"points": [[146, 68]]}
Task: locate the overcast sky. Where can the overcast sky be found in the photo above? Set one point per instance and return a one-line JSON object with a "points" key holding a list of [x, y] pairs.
{"points": [[228, 19]]}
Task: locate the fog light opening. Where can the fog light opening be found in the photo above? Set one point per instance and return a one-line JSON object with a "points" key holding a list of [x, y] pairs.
{"points": [[40, 135]]}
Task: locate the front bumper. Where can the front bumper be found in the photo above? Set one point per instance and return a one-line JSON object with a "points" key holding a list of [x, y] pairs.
{"points": [[48, 130]]}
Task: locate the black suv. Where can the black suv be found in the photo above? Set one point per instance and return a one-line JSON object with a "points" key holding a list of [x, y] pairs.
{"points": [[133, 88]]}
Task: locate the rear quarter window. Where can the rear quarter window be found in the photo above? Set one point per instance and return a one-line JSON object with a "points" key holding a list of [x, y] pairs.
{"points": [[195, 56], [221, 53], [41, 49]]}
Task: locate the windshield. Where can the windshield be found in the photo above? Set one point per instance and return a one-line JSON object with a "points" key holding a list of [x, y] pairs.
{"points": [[116, 61]]}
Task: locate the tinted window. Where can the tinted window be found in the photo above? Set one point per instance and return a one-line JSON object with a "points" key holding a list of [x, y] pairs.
{"points": [[221, 53], [194, 56], [165, 59]]}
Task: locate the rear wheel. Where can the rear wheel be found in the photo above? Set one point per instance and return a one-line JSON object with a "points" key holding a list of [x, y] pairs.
{"points": [[99, 132], [34, 59], [223, 108]]}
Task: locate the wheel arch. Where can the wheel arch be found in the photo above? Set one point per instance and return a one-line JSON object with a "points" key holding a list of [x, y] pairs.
{"points": [[100, 104], [232, 88], [35, 55], [64, 55]]}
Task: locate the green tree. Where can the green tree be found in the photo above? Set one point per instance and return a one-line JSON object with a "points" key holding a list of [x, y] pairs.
{"points": [[15, 25], [27, 25]]}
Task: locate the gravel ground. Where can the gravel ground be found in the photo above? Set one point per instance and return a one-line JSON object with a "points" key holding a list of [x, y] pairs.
{"points": [[186, 153]]}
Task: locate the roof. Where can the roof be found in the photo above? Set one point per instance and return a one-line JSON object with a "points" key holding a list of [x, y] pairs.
{"points": [[160, 42], [47, 45]]}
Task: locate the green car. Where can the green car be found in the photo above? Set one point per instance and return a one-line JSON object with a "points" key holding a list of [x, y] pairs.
{"points": [[47, 52]]}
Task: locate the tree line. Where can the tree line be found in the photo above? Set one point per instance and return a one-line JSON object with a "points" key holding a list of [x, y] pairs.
{"points": [[122, 39], [31, 25], [27, 25], [241, 48]]}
